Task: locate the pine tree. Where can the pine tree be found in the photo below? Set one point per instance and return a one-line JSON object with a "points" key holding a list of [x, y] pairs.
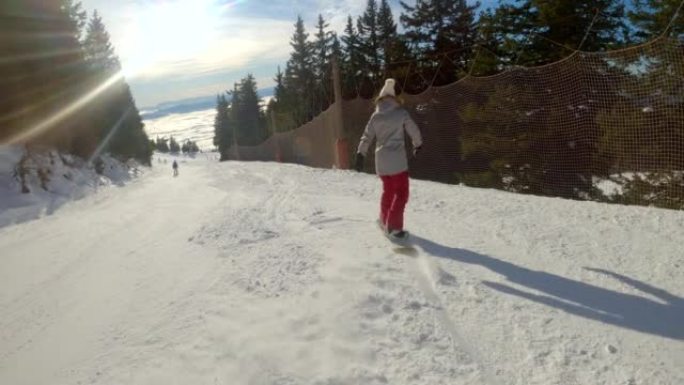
{"points": [[496, 48], [251, 130], [646, 102], [282, 106], [622, 147], [654, 16], [370, 47], [571, 20], [174, 147], [353, 61], [508, 33], [395, 54], [189, 147], [280, 92], [223, 134], [441, 27], [336, 46], [98, 48], [299, 77], [387, 32], [77, 17], [69, 80], [553, 30], [58, 63], [42, 71], [233, 113], [162, 145], [277, 106], [535, 32], [323, 47], [121, 127], [495, 150], [130, 138]]}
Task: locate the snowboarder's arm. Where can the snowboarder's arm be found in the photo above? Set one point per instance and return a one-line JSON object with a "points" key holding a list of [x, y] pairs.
{"points": [[413, 131], [367, 138]]}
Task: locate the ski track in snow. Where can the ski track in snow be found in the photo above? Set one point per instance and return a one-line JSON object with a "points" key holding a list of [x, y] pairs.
{"points": [[258, 273], [429, 276]]}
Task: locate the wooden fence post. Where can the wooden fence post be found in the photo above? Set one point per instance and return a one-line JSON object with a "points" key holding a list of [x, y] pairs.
{"points": [[341, 142]]}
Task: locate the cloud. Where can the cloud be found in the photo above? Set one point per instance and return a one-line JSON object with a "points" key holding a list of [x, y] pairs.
{"points": [[241, 43], [192, 42]]}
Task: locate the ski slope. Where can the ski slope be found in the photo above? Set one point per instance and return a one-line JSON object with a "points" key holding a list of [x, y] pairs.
{"points": [[258, 273]]}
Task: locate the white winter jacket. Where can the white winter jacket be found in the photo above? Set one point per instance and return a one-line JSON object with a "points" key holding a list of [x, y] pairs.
{"points": [[387, 126]]}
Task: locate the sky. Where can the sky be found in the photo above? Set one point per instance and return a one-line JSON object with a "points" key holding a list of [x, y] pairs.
{"points": [[179, 49]]}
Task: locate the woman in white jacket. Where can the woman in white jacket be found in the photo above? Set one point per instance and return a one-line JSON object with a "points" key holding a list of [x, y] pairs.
{"points": [[387, 126]]}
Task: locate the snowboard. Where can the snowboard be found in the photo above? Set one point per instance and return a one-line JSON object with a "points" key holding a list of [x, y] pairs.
{"points": [[404, 243]]}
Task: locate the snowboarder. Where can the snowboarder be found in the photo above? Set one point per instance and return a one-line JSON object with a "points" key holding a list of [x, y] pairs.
{"points": [[175, 168], [387, 126]]}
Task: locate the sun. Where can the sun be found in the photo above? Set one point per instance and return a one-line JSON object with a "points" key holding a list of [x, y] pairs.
{"points": [[163, 32]]}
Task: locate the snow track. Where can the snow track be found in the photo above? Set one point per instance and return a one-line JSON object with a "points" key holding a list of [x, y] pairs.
{"points": [[429, 274], [259, 273]]}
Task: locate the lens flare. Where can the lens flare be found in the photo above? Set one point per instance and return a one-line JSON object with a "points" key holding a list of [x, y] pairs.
{"points": [[66, 112], [103, 145]]}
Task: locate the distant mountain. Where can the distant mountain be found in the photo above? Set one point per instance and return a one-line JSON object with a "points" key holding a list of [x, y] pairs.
{"points": [[189, 105]]}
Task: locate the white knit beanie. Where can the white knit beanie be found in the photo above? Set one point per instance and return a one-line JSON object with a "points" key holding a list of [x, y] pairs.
{"points": [[388, 89]]}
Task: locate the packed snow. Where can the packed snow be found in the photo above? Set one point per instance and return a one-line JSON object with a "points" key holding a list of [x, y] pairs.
{"points": [[274, 274]]}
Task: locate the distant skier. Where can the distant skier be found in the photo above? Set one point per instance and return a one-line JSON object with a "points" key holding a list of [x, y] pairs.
{"points": [[387, 125], [175, 168]]}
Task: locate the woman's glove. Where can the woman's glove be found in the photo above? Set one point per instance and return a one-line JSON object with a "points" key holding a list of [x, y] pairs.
{"points": [[358, 164]]}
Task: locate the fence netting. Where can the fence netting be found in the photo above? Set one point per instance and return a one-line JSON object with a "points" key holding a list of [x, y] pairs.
{"points": [[606, 126]]}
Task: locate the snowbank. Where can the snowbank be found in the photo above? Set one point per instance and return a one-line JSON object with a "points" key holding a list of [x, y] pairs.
{"points": [[37, 182]]}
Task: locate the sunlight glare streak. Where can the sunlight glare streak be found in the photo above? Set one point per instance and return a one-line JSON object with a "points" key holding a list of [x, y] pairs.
{"points": [[67, 111], [103, 145]]}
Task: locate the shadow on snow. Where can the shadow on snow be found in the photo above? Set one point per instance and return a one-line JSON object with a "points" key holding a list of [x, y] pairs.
{"points": [[663, 318]]}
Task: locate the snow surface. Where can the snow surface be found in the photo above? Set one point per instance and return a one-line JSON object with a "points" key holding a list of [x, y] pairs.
{"points": [[609, 187], [258, 273]]}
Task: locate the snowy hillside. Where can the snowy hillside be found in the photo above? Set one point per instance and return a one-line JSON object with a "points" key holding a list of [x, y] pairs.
{"points": [[258, 273]]}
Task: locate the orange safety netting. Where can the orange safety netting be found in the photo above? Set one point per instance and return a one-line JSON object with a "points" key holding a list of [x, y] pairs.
{"points": [[605, 126]]}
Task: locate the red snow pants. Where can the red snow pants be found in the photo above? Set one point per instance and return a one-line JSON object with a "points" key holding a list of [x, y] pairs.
{"points": [[395, 194]]}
